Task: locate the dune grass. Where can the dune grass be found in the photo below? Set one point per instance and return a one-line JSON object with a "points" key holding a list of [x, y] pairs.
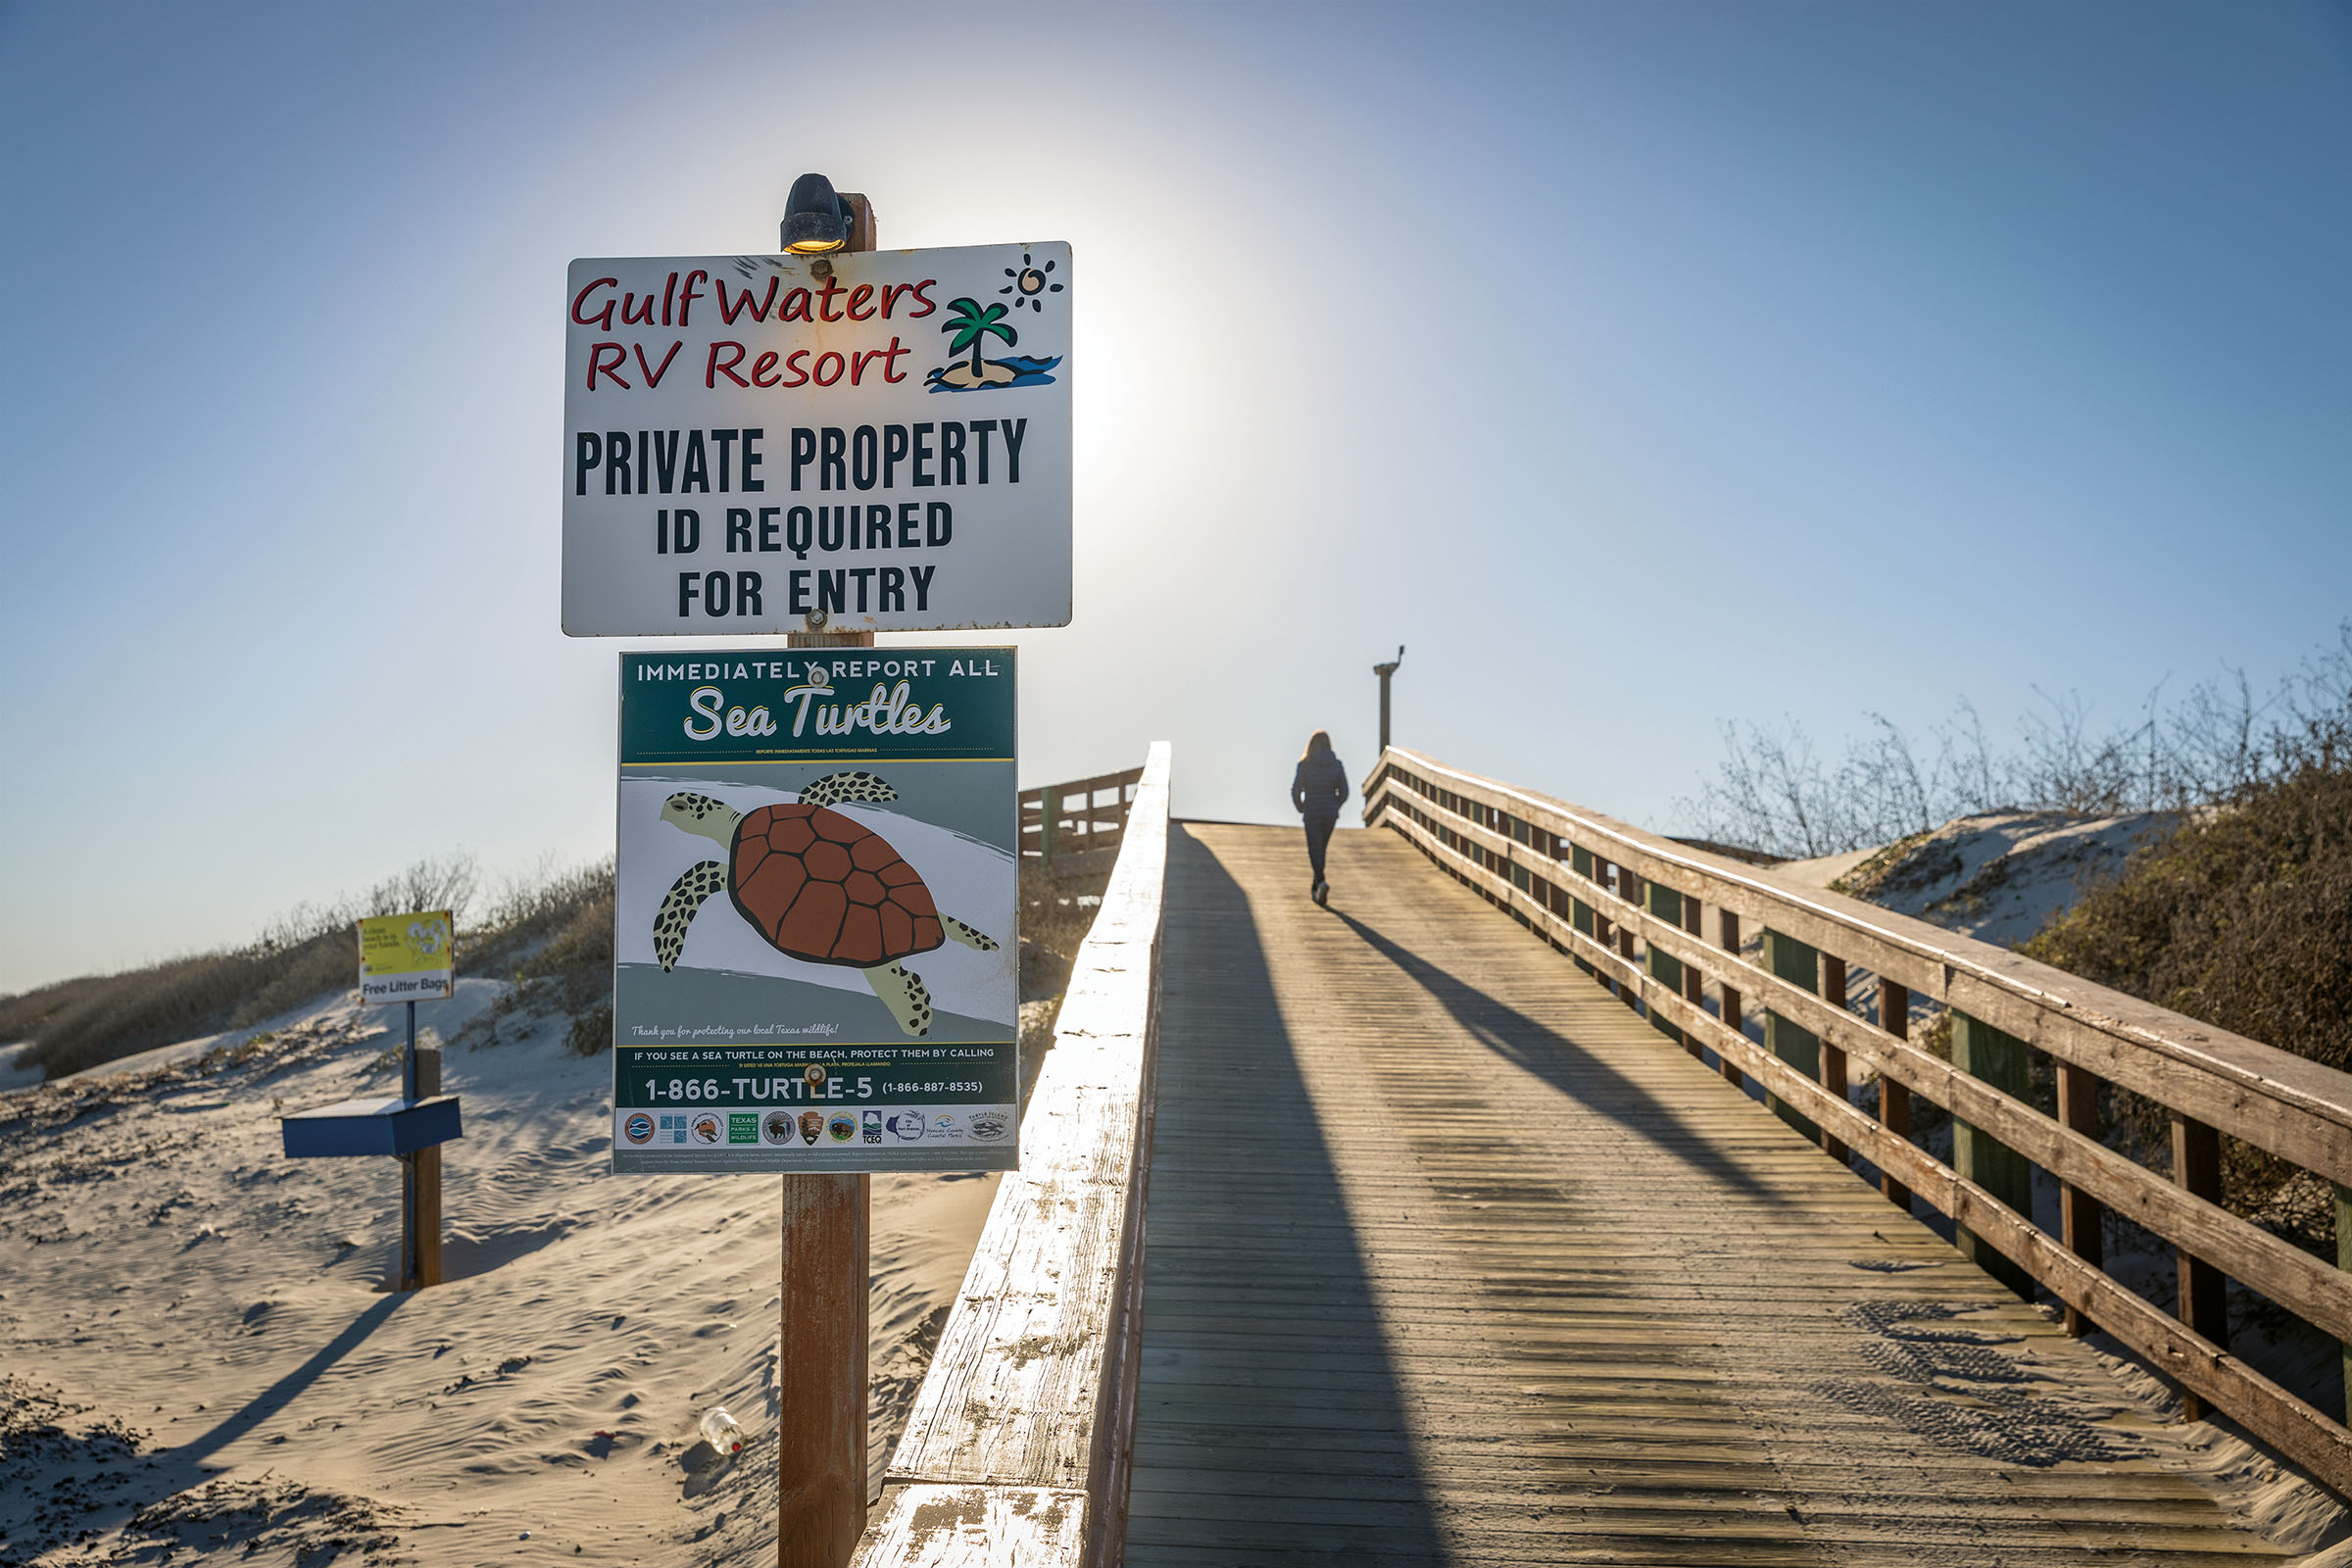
{"points": [[549, 932], [543, 922]]}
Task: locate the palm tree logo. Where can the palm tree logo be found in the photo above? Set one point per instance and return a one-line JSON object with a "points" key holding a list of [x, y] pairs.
{"points": [[969, 324], [972, 326]]}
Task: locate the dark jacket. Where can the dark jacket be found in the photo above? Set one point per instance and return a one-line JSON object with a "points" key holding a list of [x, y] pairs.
{"points": [[1320, 786]]}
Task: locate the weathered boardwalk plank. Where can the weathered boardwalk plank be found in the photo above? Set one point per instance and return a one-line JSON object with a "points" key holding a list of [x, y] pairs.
{"points": [[1453, 1259]]}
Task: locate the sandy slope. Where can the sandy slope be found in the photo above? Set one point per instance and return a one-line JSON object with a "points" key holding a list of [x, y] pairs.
{"points": [[197, 1352], [1998, 876]]}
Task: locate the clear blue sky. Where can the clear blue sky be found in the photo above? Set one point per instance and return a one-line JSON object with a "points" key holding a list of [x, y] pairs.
{"points": [[1638, 366]]}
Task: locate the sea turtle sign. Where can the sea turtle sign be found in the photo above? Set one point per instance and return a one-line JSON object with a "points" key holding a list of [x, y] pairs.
{"points": [[407, 957], [814, 956], [871, 441]]}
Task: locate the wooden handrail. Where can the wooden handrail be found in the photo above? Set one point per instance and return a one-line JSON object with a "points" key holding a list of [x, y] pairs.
{"points": [[1521, 851], [1065, 820], [1017, 1447]]}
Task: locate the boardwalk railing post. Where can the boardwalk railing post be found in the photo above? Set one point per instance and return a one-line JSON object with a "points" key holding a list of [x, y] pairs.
{"points": [[2204, 1303], [1580, 914], [1833, 1059], [1894, 1098], [1628, 889], [1603, 932], [1982, 1051], [2343, 1260], [1729, 933], [2082, 1218], [1695, 985], [1664, 903], [1801, 965]]}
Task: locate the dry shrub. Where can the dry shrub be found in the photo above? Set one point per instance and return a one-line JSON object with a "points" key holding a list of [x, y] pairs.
{"points": [[1053, 924], [1051, 918], [2215, 742], [2239, 919], [102, 1018], [558, 937], [545, 922]]}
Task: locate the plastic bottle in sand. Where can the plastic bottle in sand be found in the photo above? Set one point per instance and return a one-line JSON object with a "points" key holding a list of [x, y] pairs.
{"points": [[721, 1432]]}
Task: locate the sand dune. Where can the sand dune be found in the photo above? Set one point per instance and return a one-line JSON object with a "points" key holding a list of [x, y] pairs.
{"points": [[2000, 876], [198, 1352]]}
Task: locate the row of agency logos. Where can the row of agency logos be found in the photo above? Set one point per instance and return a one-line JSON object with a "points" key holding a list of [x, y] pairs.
{"points": [[803, 1129]]}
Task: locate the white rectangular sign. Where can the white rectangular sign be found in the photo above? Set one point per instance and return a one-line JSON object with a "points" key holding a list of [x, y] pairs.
{"points": [[876, 441]]}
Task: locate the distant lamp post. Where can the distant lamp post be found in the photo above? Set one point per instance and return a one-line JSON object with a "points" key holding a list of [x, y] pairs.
{"points": [[819, 221], [1384, 671]]}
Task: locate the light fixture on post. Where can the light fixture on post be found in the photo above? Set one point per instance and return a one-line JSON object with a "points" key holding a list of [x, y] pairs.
{"points": [[817, 220]]}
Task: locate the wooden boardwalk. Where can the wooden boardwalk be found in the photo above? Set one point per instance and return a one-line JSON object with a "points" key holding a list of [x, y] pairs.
{"points": [[1451, 1258]]}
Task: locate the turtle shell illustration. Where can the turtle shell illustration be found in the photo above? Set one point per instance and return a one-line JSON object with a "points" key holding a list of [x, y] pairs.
{"points": [[818, 886]]}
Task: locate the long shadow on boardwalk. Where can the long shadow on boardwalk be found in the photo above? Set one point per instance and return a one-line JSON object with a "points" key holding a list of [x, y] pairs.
{"points": [[1561, 1063], [1251, 1249]]}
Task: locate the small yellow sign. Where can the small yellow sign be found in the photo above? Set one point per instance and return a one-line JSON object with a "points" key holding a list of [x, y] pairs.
{"points": [[407, 957]]}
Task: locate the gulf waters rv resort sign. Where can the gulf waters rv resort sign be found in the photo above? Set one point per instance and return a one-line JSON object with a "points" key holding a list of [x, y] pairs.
{"points": [[865, 441]]}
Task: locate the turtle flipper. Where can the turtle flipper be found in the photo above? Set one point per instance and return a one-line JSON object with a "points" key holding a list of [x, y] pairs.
{"points": [[685, 897], [903, 993], [958, 931], [852, 786]]}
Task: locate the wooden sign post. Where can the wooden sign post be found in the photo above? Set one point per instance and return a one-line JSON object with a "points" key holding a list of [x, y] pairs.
{"points": [[419, 1175], [822, 1336], [402, 958], [821, 1374], [884, 441]]}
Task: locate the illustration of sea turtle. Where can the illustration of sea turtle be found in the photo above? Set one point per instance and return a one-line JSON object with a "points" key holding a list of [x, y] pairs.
{"points": [[818, 886]]}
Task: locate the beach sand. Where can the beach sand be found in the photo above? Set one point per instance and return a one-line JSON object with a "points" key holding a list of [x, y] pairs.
{"points": [[198, 1355]]}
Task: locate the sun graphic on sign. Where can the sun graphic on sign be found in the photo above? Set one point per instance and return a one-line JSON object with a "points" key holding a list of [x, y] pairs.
{"points": [[1028, 283]]}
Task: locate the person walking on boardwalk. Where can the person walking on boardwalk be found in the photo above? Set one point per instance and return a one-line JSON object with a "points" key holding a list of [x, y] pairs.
{"points": [[1318, 788]]}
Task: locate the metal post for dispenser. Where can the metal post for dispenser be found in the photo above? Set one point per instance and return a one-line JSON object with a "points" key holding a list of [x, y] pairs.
{"points": [[408, 1166], [1384, 671]]}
